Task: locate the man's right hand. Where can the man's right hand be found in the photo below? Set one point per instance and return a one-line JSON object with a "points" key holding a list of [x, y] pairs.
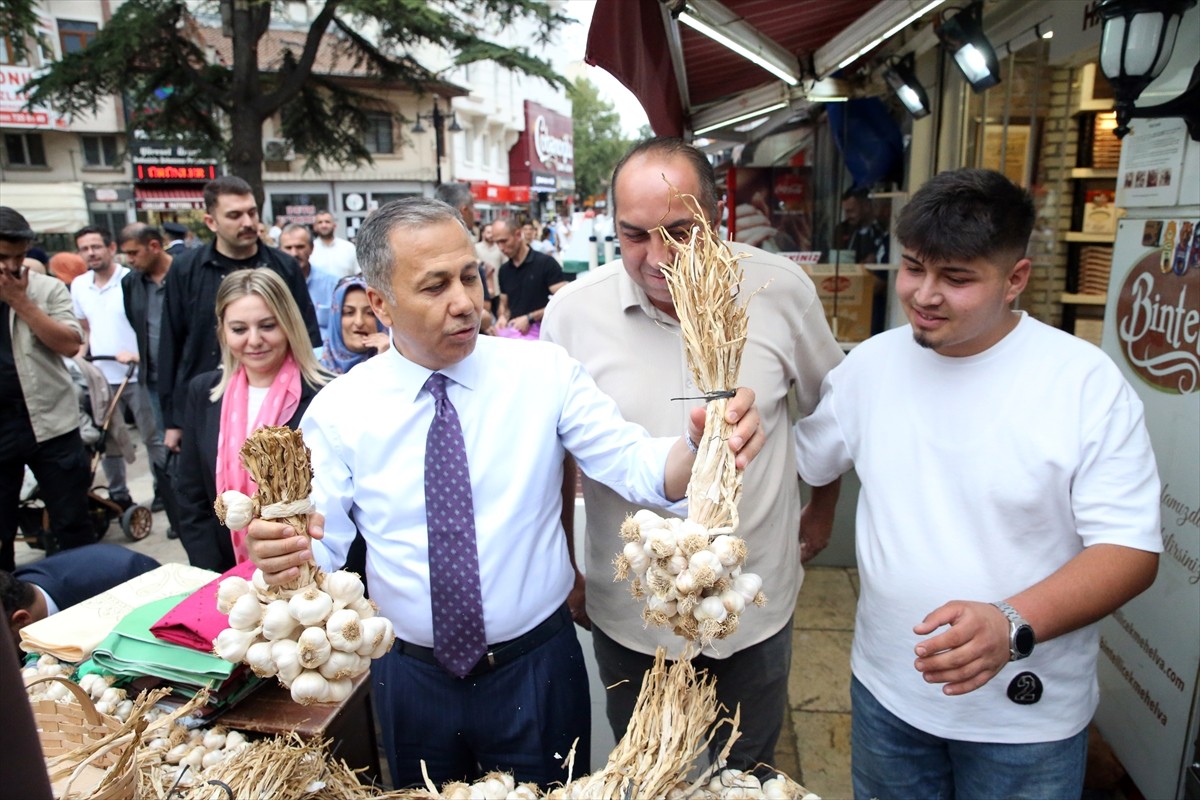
{"points": [[172, 437], [278, 550]]}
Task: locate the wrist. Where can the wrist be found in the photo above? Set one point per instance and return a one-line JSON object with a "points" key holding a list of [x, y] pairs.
{"points": [[1021, 638]]}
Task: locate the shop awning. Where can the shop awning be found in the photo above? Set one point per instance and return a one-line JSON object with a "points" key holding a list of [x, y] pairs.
{"points": [[50, 207], [687, 81], [181, 199]]}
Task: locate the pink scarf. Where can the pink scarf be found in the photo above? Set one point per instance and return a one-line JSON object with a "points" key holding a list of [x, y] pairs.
{"points": [[281, 403]]}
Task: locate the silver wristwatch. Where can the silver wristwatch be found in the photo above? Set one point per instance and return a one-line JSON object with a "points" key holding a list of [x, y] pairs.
{"points": [[1021, 638]]}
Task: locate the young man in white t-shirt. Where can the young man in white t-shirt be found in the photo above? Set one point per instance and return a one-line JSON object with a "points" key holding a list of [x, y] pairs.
{"points": [[1009, 502]]}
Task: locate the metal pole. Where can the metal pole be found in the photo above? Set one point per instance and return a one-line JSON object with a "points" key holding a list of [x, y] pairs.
{"points": [[439, 144]]}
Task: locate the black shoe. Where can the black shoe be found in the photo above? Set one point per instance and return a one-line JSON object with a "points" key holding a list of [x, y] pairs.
{"points": [[158, 505], [171, 534], [123, 500]]}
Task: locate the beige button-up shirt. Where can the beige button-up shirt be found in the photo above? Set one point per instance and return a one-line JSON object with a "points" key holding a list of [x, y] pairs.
{"points": [[45, 382]]}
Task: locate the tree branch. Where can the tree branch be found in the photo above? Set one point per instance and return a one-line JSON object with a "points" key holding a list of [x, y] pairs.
{"points": [[290, 86]]}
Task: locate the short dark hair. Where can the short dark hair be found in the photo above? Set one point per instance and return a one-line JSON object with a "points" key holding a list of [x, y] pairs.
{"points": [[15, 593], [226, 184], [14, 227], [862, 195], [670, 147], [967, 214], [105, 233], [143, 233]]}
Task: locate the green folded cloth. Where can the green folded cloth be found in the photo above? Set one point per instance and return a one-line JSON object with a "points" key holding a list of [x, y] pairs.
{"points": [[131, 650]]}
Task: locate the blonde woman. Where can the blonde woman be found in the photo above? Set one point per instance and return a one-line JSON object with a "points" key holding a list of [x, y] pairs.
{"points": [[268, 376]]}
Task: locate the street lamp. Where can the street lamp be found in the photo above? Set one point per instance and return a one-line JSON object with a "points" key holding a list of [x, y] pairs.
{"points": [[1135, 45], [438, 120]]}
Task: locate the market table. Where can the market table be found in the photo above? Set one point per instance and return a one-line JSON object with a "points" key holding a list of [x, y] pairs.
{"points": [[349, 725]]}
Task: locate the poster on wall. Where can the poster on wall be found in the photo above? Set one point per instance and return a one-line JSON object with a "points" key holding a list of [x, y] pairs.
{"points": [[1151, 170], [772, 208], [1149, 652]]}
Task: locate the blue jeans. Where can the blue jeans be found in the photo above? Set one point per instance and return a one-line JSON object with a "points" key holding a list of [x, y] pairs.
{"points": [[891, 760]]}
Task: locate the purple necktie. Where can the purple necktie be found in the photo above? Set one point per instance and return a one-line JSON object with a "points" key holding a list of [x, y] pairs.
{"points": [[458, 636]]}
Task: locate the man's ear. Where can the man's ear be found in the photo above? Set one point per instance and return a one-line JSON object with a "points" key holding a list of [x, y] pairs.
{"points": [[379, 306], [19, 619], [1018, 278]]}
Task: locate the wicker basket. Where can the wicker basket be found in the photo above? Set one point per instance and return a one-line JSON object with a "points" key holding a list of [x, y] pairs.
{"points": [[104, 767]]}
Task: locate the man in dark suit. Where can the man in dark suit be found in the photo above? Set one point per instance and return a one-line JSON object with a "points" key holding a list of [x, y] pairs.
{"points": [[35, 591]]}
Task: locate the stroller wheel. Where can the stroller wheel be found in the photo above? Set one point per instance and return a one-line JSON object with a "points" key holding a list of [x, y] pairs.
{"points": [[136, 521]]}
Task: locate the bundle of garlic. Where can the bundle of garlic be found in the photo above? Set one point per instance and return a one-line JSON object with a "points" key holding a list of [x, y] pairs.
{"points": [[690, 573], [316, 633], [690, 576]]}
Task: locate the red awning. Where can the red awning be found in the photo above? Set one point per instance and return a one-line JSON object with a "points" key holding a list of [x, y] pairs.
{"points": [[179, 199], [632, 40]]}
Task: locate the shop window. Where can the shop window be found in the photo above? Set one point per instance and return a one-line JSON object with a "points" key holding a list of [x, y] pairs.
{"points": [[24, 150], [112, 221], [75, 36], [377, 135], [100, 151], [298, 208]]}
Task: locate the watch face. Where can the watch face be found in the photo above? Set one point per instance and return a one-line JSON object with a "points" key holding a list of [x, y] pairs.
{"points": [[1024, 640]]}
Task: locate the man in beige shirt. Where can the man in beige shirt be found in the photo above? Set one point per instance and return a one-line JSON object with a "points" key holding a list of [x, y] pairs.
{"points": [[39, 413], [620, 322]]}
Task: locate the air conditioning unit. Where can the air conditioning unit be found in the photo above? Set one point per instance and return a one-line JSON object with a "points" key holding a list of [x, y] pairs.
{"points": [[278, 150]]}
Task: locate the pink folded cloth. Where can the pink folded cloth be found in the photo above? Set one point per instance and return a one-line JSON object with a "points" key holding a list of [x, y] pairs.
{"points": [[195, 621]]}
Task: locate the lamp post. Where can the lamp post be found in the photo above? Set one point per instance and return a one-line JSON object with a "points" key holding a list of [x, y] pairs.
{"points": [[438, 120]]}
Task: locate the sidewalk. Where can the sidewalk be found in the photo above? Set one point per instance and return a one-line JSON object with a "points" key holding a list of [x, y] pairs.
{"points": [[815, 745]]}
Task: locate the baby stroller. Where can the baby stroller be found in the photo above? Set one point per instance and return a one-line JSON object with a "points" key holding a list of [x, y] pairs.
{"points": [[95, 404]]}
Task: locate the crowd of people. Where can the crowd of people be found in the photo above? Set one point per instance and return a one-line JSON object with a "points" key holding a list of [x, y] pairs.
{"points": [[1004, 509]]}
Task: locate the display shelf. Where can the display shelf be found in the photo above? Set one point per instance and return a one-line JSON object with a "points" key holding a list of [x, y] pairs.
{"points": [[1089, 238], [1076, 299]]}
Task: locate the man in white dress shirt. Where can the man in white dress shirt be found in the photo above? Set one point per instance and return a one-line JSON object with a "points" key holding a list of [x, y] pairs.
{"points": [[526, 700]]}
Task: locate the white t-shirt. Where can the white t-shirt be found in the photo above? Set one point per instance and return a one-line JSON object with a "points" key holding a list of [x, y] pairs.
{"points": [[981, 476], [337, 259], [110, 331], [254, 401]]}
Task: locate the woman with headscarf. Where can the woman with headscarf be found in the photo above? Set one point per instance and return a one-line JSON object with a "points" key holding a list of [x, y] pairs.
{"points": [[359, 335], [268, 376]]}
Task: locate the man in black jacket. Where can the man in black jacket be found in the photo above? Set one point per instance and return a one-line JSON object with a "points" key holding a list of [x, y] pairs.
{"points": [[189, 342], [144, 290]]}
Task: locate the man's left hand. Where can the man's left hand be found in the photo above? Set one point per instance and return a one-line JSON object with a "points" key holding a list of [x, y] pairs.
{"points": [[970, 653], [577, 602], [747, 437]]}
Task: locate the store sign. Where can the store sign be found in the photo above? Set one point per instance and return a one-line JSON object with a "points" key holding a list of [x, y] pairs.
{"points": [[13, 101], [557, 153], [299, 215], [544, 154], [1149, 661], [1158, 309], [171, 173]]}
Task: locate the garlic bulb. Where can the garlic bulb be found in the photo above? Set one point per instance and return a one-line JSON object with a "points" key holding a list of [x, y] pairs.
{"points": [[232, 644], [258, 656], [277, 621], [310, 606], [309, 687], [229, 590], [344, 587], [239, 510], [344, 630], [337, 689], [341, 664], [286, 655], [313, 647], [246, 612]]}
